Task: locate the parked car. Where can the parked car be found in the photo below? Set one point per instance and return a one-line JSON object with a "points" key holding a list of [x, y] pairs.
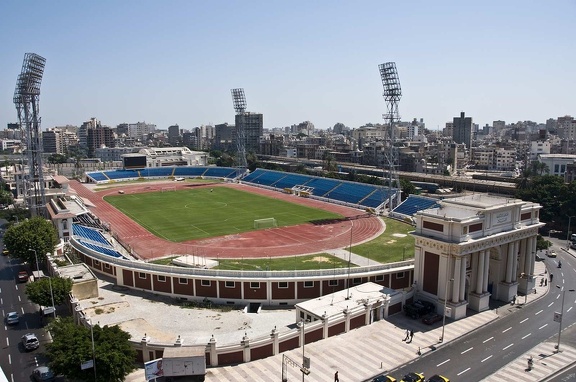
{"points": [[384, 378], [12, 318], [431, 318], [23, 276], [5, 252], [551, 253], [419, 309], [30, 341], [413, 377], [438, 378], [43, 374]]}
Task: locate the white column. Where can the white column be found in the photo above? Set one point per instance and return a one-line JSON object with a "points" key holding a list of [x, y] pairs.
{"points": [[515, 262], [533, 255], [456, 277], [486, 269], [510, 262], [522, 257], [480, 272], [462, 279], [474, 274]]}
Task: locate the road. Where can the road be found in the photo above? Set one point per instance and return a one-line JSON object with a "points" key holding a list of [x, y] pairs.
{"points": [[481, 353], [16, 363]]}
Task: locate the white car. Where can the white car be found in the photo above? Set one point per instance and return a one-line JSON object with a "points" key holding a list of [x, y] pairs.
{"points": [[12, 318], [551, 253]]}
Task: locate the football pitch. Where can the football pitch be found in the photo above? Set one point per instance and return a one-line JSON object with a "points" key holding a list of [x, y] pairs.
{"points": [[207, 212]]}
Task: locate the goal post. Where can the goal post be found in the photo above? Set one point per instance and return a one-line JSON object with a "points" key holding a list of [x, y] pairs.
{"points": [[265, 223]]}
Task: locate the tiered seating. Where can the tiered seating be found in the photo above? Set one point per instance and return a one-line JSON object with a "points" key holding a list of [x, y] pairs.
{"points": [[265, 177], [157, 171], [96, 176], [377, 197], [121, 174], [220, 172], [290, 180], [89, 233], [350, 192], [322, 186], [414, 204], [103, 250], [189, 171]]}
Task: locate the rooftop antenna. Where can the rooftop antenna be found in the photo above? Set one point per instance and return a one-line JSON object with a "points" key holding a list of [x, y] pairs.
{"points": [[27, 101], [239, 100], [392, 94]]}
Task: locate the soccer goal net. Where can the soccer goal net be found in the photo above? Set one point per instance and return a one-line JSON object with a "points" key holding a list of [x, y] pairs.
{"points": [[265, 223]]}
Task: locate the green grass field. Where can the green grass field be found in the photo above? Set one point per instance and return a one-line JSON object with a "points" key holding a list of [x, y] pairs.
{"points": [[200, 213], [395, 244]]}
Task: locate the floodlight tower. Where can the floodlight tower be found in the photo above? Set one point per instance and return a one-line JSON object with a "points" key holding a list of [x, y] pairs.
{"points": [[392, 95], [27, 101], [239, 100]]}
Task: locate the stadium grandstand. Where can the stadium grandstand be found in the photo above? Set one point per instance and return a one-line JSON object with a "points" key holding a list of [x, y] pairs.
{"points": [[413, 204], [359, 195]]}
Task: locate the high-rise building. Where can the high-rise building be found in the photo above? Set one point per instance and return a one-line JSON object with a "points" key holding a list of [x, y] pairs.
{"points": [[98, 137], [253, 129], [462, 130], [52, 141], [174, 134]]}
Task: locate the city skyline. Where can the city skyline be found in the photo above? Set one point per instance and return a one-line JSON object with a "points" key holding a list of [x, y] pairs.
{"points": [[297, 61]]}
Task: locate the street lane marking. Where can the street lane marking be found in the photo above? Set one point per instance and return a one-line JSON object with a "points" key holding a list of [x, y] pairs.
{"points": [[557, 297], [504, 331], [10, 359], [20, 300], [467, 350], [524, 320], [7, 341], [569, 309], [463, 371], [543, 326], [549, 305], [491, 338], [487, 358], [508, 346], [442, 363], [538, 312], [526, 336]]}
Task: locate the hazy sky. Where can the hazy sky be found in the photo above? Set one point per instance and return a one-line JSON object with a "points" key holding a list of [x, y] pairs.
{"points": [[167, 62]]}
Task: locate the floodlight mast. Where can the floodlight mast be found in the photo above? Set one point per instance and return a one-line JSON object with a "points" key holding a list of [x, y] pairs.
{"points": [[392, 94], [239, 100], [27, 101]]}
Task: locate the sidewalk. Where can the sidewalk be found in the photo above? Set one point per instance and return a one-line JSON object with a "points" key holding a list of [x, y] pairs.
{"points": [[364, 352]]}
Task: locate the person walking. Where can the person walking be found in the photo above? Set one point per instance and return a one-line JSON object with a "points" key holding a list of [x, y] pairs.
{"points": [[411, 335], [407, 335], [336, 379]]}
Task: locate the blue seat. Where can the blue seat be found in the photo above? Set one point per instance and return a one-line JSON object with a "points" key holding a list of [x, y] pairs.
{"points": [[89, 233], [414, 204], [96, 176], [322, 186], [192, 171], [157, 171], [290, 180], [102, 250], [121, 174], [220, 172]]}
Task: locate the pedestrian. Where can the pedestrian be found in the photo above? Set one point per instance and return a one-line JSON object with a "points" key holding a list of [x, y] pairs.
{"points": [[545, 282], [514, 300], [411, 334], [407, 335], [551, 277], [541, 282], [336, 379]]}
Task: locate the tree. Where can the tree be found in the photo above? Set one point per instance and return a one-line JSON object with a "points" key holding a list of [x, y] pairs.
{"points": [[36, 234], [407, 188], [39, 291], [57, 159], [72, 345]]}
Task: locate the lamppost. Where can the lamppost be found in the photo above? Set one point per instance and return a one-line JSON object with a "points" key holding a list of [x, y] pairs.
{"points": [[568, 234], [93, 350], [444, 312], [305, 369], [49, 281], [559, 316]]}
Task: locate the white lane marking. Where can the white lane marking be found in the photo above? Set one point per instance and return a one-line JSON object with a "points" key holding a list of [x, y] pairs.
{"points": [[524, 320], [19, 299], [557, 297], [10, 359], [504, 331], [508, 346], [487, 358], [543, 326], [462, 372], [538, 312], [549, 305], [526, 336], [7, 342], [491, 338], [569, 309], [467, 350], [442, 363]]}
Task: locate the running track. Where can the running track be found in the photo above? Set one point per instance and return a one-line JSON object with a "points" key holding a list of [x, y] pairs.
{"points": [[274, 242]]}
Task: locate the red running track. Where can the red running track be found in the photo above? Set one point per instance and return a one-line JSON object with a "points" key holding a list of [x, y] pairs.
{"points": [[274, 242]]}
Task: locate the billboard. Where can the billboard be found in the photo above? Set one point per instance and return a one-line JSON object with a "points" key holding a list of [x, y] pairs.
{"points": [[153, 369]]}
